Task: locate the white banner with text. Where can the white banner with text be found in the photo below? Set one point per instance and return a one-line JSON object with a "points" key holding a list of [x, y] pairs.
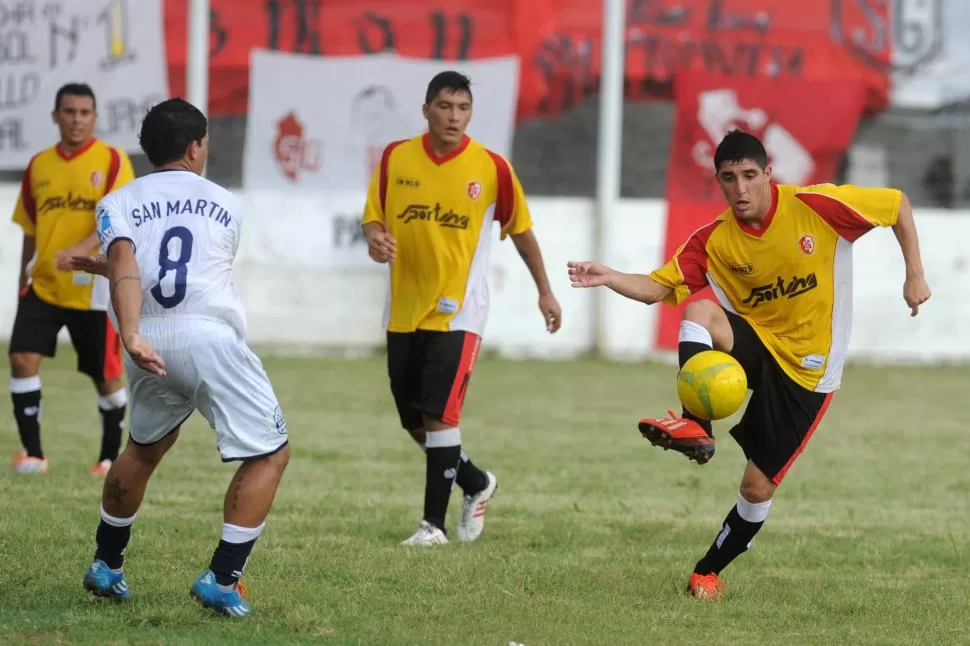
{"points": [[115, 46], [322, 123]]}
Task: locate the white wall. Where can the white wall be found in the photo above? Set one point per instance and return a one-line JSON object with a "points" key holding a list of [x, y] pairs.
{"points": [[295, 300]]}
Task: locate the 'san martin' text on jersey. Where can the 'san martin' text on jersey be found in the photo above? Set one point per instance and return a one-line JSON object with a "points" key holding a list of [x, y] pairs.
{"points": [[197, 207]]}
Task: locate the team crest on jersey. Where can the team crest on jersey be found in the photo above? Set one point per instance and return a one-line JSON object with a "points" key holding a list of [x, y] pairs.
{"points": [[474, 190], [96, 178], [807, 244]]}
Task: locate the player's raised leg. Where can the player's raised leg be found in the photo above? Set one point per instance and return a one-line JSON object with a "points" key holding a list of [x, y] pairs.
{"points": [[247, 504], [124, 489], [704, 326]]}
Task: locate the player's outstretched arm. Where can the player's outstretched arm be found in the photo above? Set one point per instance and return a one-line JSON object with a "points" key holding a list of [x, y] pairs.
{"points": [[916, 291], [124, 280], [637, 287], [528, 247]]}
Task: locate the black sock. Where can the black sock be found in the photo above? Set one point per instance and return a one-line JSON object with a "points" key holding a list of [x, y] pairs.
{"points": [[111, 544], [112, 425], [686, 350], [442, 467], [470, 478], [26, 410], [731, 542], [229, 561]]}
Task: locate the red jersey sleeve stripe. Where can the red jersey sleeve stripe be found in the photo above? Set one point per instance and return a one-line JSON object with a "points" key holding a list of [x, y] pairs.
{"points": [[692, 259], [847, 222], [505, 192], [385, 166], [27, 194], [114, 166]]}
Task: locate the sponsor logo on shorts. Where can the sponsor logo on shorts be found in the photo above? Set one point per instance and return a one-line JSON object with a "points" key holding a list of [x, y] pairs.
{"points": [[280, 422], [781, 289]]}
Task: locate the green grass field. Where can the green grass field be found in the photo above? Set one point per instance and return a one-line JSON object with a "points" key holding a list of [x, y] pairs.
{"points": [[589, 540]]}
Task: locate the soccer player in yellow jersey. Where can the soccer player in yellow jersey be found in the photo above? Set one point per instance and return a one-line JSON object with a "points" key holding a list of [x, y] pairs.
{"points": [[56, 210], [429, 213], [779, 262]]}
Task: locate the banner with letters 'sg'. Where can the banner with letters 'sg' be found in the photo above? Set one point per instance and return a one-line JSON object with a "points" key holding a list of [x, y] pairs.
{"points": [[322, 123], [115, 46]]}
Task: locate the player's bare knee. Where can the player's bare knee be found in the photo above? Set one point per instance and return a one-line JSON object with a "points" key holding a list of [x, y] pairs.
{"points": [[280, 459], [109, 387], [756, 491], [24, 364]]}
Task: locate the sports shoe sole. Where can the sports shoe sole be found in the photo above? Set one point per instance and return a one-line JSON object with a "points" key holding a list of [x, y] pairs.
{"points": [[699, 450]]}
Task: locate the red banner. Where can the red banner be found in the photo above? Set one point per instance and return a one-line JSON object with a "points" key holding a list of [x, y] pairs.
{"points": [[806, 127], [558, 41]]}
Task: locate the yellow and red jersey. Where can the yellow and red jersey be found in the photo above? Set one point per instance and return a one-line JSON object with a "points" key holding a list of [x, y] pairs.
{"points": [[56, 207], [792, 278], [440, 211]]}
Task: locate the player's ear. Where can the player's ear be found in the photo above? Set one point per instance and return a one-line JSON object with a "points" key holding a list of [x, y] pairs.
{"points": [[424, 110], [768, 172]]}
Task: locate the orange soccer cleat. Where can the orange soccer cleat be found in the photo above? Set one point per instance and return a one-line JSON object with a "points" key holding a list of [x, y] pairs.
{"points": [[680, 434], [705, 586], [22, 463]]}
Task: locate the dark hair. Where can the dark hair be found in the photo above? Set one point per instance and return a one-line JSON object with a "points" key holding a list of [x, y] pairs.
{"points": [[74, 89], [169, 128], [450, 80], [738, 145]]}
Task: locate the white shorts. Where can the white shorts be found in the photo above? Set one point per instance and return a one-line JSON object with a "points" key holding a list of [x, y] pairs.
{"points": [[211, 370]]}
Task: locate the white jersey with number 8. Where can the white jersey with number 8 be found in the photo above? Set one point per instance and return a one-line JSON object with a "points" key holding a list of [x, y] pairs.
{"points": [[185, 231]]}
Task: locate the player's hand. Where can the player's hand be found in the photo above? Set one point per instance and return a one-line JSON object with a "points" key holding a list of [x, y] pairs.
{"points": [[588, 274], [916, 291], [143, 354], [551, 312], [62, 259], [381, 246], [91, 264]]}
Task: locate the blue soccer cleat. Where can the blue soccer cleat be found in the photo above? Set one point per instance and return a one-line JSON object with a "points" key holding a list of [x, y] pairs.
{"points": [[228, 602], [101, 581]]}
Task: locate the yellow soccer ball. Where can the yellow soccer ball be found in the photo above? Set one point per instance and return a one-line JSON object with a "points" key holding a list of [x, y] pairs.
{"points": [[712, 385]]}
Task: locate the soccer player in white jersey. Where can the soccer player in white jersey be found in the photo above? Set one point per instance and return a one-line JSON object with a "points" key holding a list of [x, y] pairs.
{"points": [[168, 241]]}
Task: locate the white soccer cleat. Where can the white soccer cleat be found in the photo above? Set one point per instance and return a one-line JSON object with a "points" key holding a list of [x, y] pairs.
{"points": [[472, 522], [426, 536]]}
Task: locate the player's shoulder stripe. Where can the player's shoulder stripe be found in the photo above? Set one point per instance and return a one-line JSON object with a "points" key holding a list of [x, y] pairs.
{"points": [[702, 234], [847, 221], [114, 167], [385, 167], [26, 186], [504, 189]]}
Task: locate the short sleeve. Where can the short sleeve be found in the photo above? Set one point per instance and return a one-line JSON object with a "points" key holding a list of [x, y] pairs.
{"points": [[686, 272], [377, 192], [852, 210], [511, 207], [111, 225]]}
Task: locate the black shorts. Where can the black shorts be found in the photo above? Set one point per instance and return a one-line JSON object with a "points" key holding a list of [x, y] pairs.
{"points": [[429, 374], [781, 414], [94, 338]]}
